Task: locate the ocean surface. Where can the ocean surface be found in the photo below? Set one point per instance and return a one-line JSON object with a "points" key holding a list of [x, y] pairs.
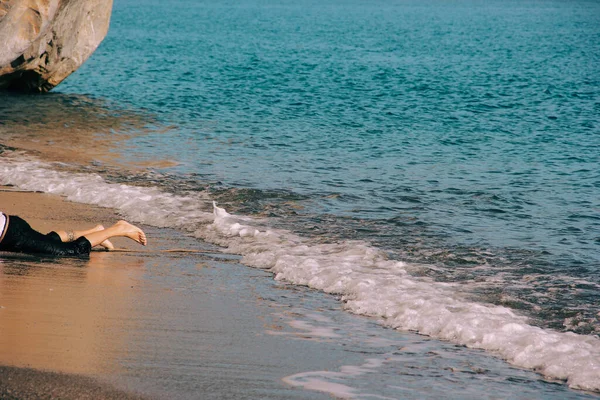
{"points": [[432, 164]]}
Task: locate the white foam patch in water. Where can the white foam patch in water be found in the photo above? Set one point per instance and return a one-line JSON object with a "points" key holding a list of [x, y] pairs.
{"points": [[314, 331], [319, 329], [322, 380], [368, 283], [307, 380]]}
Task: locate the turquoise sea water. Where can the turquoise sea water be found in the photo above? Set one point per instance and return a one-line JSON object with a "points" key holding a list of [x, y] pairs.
{"points": [[451, 133], [462, 137]]}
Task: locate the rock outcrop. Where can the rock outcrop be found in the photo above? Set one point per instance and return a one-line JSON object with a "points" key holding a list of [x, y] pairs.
{"points": [[43, 41]]}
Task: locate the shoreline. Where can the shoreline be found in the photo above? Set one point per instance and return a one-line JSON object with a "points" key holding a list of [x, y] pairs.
{"points": [[92, 325], [196, 323], [167, 323]]}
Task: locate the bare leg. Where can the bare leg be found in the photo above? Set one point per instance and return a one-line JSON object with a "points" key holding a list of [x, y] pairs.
{"points": [[69, 236], [121, 228]]}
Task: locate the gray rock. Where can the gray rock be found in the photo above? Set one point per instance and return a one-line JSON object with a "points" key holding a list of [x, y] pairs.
{"points": [[43, 41]]}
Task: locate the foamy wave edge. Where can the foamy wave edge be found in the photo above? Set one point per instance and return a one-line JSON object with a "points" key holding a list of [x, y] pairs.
{"points": [[369, 283]]}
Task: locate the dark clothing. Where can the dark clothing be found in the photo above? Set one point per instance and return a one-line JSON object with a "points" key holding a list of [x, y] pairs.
{"points": [[20, 237]]}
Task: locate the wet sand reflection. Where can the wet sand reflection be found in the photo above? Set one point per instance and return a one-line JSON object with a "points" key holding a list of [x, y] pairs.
{"points": [[66, 315]]}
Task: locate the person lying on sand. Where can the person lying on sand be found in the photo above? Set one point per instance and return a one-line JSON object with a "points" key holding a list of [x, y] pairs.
{"points": [[18, 236]]}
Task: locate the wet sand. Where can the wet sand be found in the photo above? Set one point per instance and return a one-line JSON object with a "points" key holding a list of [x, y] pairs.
{"points": [[26, 383], [145, 321], [194, 323], [43, 326]]}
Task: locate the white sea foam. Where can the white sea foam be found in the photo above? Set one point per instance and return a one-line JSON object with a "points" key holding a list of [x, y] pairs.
{"points": [[369, 283], [323, 381]]}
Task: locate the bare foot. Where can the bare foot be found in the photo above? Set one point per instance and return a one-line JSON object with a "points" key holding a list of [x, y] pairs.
{"points": [[132, 232], [107, 244]]}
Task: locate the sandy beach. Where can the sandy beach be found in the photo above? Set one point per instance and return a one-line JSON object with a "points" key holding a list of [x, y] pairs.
{"points": [[129, 319], [179, 319]]}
